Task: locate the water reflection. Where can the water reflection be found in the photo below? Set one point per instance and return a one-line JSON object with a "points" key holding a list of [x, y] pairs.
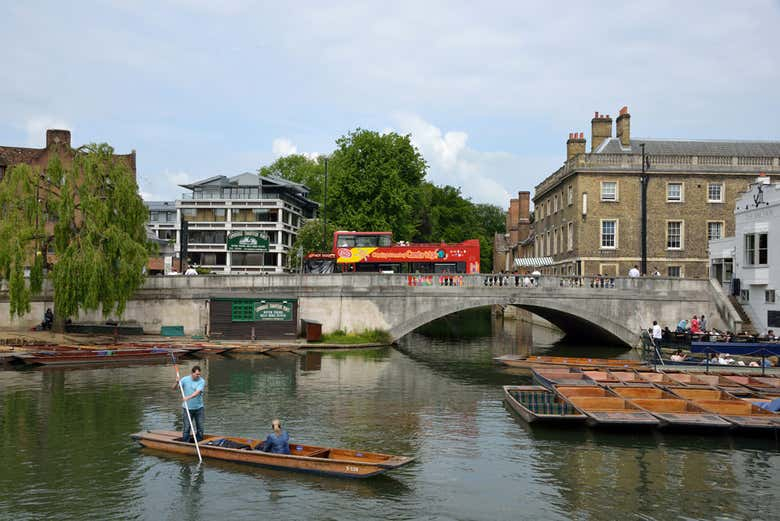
{"points": [[65, 451]]}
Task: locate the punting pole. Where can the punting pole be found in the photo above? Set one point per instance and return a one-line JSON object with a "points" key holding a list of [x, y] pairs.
{"points": [[189, 418]]}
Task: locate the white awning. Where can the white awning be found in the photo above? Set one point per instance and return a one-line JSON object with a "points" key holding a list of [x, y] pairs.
{"points": [[533, 262]]}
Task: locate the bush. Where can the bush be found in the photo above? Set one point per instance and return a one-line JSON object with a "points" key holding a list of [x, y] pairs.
{"points": [[373, 336]]}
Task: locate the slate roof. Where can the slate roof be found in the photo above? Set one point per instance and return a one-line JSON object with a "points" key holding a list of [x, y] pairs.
{"points": [[161, 206], [698, 147]]}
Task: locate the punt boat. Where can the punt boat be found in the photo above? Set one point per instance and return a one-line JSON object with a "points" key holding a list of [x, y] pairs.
{"points": [[756, 383], [743, 414], [563, 361], [722, 382], [602, 376], [552, 376], [303, 458], [630, 377], [101, 356], [535, 403], [671, 410], [606, 409]]}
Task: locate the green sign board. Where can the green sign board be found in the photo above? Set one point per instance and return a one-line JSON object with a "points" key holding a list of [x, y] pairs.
{"points": [[247, 241], [281, 310]]}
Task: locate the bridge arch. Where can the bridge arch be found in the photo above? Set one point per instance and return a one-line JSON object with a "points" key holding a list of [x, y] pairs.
{"points": [[573, 319]]}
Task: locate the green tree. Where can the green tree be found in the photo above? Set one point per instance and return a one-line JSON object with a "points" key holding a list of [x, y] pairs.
{"points": [[98, 236], [299, 169], [490, 220], [309, 240], [375, 182]]}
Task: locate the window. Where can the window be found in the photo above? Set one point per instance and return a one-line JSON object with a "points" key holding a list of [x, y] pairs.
{"points": [[756, 249], [714, 230], [242, 311], [189, 213], [570, 197], [555, 203], [715, 193], [548, 207], [547, 245], [769, 296], [609, 191], [555, 241], [674, 235], [207, 237], [570, 236], [674, 271], [609, 234], [674, 192], [745, 295]]}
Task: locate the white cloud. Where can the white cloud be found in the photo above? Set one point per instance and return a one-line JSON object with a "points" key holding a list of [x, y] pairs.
{"points": [[283, 147], [482, 176], [37, 126]]}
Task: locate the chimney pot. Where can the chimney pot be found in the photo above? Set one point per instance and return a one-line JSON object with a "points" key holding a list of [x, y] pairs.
{"points": [[596, 114]]}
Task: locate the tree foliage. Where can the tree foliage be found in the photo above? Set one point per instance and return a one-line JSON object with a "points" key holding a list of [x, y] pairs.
{"points": [[310, 238], [98, 234], [375, 183], [299, 169]]}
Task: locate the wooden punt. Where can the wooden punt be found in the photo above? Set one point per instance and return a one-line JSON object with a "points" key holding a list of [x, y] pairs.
{"points": [[756, 383], [671, 410], [742, 413], [629, 377], [535, 403], [553, 376], [602, 377], [304, 458], [721, 382], [106, 356], [605, 409], [564, 361]]}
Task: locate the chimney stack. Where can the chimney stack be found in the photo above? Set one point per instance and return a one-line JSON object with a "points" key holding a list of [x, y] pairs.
{"points": [[623, 127], [524, 215], [601, 130], [55, 137], [575, 145]]}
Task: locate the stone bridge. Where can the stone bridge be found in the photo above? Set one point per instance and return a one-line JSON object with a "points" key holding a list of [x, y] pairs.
{"points": [[585, 308]]}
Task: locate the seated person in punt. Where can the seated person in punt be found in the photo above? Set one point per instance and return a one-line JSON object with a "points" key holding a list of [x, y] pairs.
{"points": [[278, 442]]}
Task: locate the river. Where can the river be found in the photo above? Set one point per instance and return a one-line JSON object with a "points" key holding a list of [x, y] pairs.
{"points": [[66, 452]]}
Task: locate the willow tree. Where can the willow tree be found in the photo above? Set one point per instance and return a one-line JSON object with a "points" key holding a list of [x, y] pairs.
{"points": [[90, 214]]}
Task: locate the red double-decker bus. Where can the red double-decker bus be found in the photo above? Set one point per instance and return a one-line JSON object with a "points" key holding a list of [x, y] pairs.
{"points": [[376, 251]]}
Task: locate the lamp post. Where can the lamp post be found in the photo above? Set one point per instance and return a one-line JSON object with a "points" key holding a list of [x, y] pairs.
{"points": [[325, 208], [643, 180]]}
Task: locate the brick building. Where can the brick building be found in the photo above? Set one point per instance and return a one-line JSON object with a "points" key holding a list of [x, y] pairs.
{"points": [[57, 144], [587, 214], [517, 242]]}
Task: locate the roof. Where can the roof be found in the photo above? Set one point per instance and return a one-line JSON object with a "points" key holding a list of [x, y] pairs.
{"points": [[16, 155], [693, 147], [246, 179]]}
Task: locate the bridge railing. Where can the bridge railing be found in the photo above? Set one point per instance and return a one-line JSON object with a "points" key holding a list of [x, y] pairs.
{"points": [[368, 281]]}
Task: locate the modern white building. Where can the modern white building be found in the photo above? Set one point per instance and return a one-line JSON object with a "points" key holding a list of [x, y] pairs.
{"points": [[748, 264], [241, 224]]}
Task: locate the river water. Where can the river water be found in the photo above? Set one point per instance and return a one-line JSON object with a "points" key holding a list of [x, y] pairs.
{"points": [[65, 450]]}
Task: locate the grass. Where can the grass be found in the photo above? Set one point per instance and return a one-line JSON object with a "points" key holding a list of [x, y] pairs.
{"points": [[373, 336]]}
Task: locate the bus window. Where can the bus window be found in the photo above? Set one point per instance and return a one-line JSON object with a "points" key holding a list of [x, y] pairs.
{"points": [[385, 240], [346, 241], [366, 241]]}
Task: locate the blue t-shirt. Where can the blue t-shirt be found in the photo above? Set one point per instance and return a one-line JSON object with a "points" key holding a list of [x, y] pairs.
{"points": [[277, 444], [190, 386]]}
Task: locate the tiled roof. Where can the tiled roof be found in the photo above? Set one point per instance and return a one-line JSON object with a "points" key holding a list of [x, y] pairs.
{"points": [[702, 147]]}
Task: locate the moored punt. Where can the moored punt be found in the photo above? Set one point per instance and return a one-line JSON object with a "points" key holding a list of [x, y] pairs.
{"points": [[721, 382], [605, 409], [743, 414], [671, 410], [552, 376], [100, 356], [564, 361], [602, 377], [766, 384], [629, 377], [535, 403], [304, 458]]}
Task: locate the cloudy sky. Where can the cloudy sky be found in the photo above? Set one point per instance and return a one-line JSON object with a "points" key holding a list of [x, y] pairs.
{"points": [[488, 90]]}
